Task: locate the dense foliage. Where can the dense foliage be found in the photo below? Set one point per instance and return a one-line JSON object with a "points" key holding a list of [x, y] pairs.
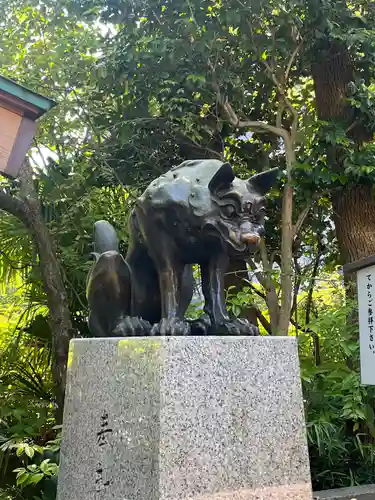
{"points": [[144, 84]]}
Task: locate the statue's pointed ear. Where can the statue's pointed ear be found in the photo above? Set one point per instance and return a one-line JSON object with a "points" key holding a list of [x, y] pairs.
{"points": [[222, 179], [263, 182]]}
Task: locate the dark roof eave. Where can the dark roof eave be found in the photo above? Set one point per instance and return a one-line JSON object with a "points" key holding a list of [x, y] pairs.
{"points": [[43, 104]]}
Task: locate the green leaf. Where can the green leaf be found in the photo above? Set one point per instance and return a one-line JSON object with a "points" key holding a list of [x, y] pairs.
{"points": [[35, 478], [196, 78], [44, 465], [20, 471], [22, 478], [20, 450], [29, 451], [236, 310]]}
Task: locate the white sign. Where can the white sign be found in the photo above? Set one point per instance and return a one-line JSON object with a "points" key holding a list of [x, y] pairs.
{"points": [[366, 309]]}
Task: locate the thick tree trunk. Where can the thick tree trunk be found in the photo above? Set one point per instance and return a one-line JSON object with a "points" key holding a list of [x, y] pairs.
{"points": [[353, 207], [332, 72], [354, 217]]}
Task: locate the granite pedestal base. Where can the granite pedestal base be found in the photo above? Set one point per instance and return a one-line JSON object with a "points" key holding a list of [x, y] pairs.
{"points": [[202, 418]]}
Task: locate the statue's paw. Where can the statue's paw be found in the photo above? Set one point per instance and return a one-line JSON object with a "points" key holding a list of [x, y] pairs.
{"points": [[171, 327], [236, 327], [132, 326], [201, 326]]}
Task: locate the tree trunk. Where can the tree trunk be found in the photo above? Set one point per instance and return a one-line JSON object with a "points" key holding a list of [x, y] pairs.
{"points": [[331, 76], [27, 209], [353, 207], [286, 280], [354, 217], [54, 287]]}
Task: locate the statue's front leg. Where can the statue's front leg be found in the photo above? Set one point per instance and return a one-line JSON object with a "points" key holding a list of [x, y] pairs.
{"points": [[170, 280], [216, 315], [170, 273]]}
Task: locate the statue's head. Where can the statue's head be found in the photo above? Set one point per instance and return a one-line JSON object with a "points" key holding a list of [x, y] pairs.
{"points": [[238, 207]]}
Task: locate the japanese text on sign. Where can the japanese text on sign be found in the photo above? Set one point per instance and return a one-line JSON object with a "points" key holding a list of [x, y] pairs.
{"points": [[370, 314], [366, 308]]}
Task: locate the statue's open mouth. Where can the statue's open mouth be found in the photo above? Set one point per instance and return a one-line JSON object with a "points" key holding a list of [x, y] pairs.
{"points": [[248, 238], [243, 241], [240, 242]]}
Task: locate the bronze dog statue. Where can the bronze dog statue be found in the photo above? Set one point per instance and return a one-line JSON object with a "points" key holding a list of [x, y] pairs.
{"points": [[197, 213]]}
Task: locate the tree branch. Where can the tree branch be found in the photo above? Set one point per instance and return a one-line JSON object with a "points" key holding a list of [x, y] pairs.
{"points": [[258, 292], [281, 89], [14, 206], [271, 73], [259, 126], [309, 303], [279, 114], [291, 61], [301, 219], [271, 294], [192, 14], [257, 272], [266, 324], [297, 285]]}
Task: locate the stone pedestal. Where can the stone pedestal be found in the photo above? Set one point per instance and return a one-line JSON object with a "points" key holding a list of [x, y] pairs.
{"points": [[203, 418]]}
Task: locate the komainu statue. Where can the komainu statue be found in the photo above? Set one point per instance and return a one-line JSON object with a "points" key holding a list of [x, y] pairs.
{"points": [[197, 213]]}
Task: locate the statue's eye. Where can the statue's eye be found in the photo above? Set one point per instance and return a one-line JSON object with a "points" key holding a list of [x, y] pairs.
{"points": [[258, 216], [229, 211], [261, 212]]}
